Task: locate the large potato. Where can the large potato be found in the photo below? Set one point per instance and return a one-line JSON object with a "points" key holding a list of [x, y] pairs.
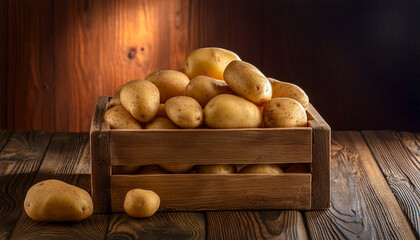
{"points": [[247, 81], [208, 61], [261, 168], [161, 123], [290, 90], [141, 203], [170, 83], [203, 89], [184, 111], [115, 100], [141, 99], [229, 111], [284, 112], [54, 200], [177, 168], [216, 169], [118, 118]]}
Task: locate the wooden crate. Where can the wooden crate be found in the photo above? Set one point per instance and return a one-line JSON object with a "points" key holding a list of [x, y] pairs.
{"points": [[199, 192]]}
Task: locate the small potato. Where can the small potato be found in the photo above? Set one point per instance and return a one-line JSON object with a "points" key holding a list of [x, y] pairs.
{"points": [[141, 99], [141, 203], [284, 112], [208, 61], [161, 111], [115, 100], [216, 169], [177, 168], [151, 169], [184, 111], [229, 111], [170, 83], [125, 169], [56, 201], [118, 118], [290, 90], [161, 123], [298, 168], [203, 89], [247, 81], [261, 168]]}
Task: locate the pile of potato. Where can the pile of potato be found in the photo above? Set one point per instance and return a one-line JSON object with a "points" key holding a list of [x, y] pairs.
{"points": [[214, 90]]}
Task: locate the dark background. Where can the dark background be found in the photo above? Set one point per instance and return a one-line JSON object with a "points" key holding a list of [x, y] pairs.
{"points": [[357, 60]]}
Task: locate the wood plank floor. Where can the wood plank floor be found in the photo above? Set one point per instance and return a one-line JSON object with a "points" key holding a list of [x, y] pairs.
{"points": [[375, 194]]}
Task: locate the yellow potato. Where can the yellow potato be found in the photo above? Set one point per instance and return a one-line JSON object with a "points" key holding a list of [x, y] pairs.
{"points": [[115, 100], [141, 203], [141, 99], [229, 111], [290, 90], [208, 61], [54, 200], [151, 169], [247, 81], [170, 83], [125, 169], [203, 89], [261, 168], [184, 111], [284, 112], [161, 111], [216, 169], [118, 118], [177, 168], [161, 123], [298, 168]]}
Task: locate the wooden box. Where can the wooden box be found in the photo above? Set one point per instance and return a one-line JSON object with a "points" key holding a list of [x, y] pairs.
{"points": [[199, 192]]}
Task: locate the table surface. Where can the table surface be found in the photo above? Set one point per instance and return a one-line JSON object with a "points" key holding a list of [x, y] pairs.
{"points": [[375, 194]]}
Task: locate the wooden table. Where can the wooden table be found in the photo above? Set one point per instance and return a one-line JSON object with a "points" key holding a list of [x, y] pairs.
{"points": [[375, 184]]}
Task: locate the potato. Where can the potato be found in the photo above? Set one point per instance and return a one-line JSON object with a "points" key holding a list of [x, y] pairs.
{"points": [[184, 111], [290, 90], [54, 200], [229, 111], [284, 112], [203, 89], [248, 82], [216, 169], [261, 168], [208, 61], [125, 169], [151, 169], [161, 111], [170, 83], [118, 118], [141, 203], [115, 100], [141, 99], [161, 123], [177, 168], [298, 168]]}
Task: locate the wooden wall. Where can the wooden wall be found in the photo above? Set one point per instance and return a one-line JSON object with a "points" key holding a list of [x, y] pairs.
{"points": [[357, 60]]}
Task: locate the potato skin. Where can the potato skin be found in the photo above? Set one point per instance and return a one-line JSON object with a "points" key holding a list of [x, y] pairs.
{"points": [[118, 118], [141, 203], [170, 83], [261, 168], [290, 90], [216, 169], [229, 111], [203, 89], [247, 81], [184, 111], [176, 168], [284, 112], [141, 99], [208, 61], [161, 123], [115, 100], [55, 201]]}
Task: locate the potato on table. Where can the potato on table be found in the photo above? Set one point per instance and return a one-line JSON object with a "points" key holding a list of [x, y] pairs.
{"points": [[170, 83], [284, 112], [203, 89], [141, 203], [119, 118], [290, 90], [184, 111]]}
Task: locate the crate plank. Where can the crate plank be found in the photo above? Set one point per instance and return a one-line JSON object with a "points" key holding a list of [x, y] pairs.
{"points": [[255, 225], [200, 192], [67, 159], [362, 205], [211, 146], [396, 156], [20, 159]]}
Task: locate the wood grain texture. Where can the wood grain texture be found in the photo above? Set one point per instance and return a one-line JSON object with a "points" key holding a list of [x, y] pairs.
{"points": [[400, 167], [30, 86], [162, 225], [201, 192], [255, 225], [19, 162], [362, 205], [67, 159], [4, 138], [4, 51]]}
